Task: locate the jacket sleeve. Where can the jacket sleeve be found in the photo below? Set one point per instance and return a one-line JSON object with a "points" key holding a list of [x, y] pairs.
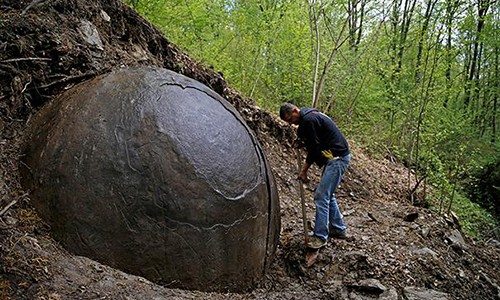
{"points": [[308, 133]]}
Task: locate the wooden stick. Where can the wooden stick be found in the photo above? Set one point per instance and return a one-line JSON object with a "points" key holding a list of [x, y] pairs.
{"points": [[68, 79], [7, 207], [33, 3], [25, 58], [302, 197]]}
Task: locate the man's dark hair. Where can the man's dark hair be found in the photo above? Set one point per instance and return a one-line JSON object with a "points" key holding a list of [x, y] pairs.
{"points": [[286, 109]]}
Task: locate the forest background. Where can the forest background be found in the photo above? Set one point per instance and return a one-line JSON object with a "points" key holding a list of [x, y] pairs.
{"points": [[412, 80]]}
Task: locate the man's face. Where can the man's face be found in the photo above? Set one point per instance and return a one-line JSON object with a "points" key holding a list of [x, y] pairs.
{"points": [[292, 117]]}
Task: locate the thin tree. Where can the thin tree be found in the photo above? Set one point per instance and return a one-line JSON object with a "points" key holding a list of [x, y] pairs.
{"points": [[472, 73], [495, 99], [314, 16], [328, 63], [452, 7], [423, 32], [356, 13]]}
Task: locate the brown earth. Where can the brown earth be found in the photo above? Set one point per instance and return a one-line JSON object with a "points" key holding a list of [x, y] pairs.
{"points": [[47, 47]]}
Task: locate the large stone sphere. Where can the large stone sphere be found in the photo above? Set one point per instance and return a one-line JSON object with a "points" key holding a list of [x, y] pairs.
{"points": [[153, 173]]}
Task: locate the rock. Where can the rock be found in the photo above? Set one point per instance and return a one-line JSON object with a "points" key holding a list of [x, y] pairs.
{"points": [[425, 251], [356, 255], [417, 293], [414, 226], [455, 219], [349, 212], [411, 217], [494, 243], [425, 232], [354, 296], [105, 16], [151, 172], [90, 34], [369, 286], [10, 220], [461, 273], [456, 239], [372, 217], [389, 294]]}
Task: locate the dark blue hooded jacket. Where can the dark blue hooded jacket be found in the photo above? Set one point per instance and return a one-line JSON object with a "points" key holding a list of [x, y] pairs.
{"points": [[319, 134]]}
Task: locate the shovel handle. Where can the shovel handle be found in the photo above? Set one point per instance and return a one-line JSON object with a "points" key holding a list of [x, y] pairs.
{"points": [[302, 196]]}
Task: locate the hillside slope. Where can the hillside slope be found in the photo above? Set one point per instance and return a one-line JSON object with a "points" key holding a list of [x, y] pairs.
{"points": [[398, 249]]}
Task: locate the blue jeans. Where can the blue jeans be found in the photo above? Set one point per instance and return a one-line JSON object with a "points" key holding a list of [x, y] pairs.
{"points": [[327, 210]]}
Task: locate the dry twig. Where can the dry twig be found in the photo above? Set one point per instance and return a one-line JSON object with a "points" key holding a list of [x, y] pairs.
{"points": [[7, 207], [68, 79], [33, 3], [25, 59]]}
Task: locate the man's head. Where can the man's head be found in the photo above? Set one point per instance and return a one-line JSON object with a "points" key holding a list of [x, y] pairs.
{"points": [[290, 113]]}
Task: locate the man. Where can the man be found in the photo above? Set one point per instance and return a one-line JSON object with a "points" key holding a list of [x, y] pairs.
{"points": [[326, 146]]}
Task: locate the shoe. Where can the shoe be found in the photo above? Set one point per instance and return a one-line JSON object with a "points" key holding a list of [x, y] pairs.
{"points": [[316, 242], [335, 234]]}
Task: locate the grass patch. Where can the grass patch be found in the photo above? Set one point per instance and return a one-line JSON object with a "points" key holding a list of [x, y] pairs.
{"points": [[475, 221]]}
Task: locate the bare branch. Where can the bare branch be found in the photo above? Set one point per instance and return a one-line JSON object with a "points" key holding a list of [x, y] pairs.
{"points": [[25, 59], [7, 207]]}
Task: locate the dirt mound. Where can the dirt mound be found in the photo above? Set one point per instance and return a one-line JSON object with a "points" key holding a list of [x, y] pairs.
{"points": [[48, 46]]}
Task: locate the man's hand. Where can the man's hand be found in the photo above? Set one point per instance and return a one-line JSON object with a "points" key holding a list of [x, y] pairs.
{"points": [[297, 144], [303, 173], [303, 177]]}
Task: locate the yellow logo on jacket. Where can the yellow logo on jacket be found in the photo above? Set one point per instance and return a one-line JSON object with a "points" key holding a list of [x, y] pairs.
{"points": [[327, 153]]}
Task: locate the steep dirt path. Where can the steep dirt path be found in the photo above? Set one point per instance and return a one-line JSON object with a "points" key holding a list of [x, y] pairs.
{"points": [[396, 253], [394, 242]]}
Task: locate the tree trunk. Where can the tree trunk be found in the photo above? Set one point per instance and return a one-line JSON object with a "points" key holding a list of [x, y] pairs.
{"points": [[394, 29], [423, 32], [353, 22], [483, 6], [356, 13], [316, 44], [338, 43], [425, 97], [478, 86], [405, 27], [450, 12], [360, 27], [496, 90]]}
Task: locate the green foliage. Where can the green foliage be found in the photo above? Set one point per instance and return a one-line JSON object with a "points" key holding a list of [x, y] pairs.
{"points": [[399, 87], [484, 187], [475, 220]]}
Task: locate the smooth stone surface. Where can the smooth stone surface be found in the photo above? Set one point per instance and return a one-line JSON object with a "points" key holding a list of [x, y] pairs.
{"points": [[153, 173]]}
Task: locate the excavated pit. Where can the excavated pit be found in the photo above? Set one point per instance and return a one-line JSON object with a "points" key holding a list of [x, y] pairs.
{"points": [[151, 172]]}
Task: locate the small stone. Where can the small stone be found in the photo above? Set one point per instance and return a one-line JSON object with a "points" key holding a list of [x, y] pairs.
{"points": [[425, 251], [494, 243], [456, 239], [455, 218], [425, 232], [370, 286], [411, 217], [348, 212], [414, 226], [417, 293], [105, 16], [10, 220], [90, 34], [390, 294], [461, 273]]}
